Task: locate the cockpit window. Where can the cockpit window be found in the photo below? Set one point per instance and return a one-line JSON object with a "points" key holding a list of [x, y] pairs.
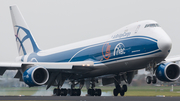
{"points": [[152, 25]]}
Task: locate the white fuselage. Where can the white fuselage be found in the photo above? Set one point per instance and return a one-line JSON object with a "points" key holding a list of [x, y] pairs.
{"points": [[133, 46]]}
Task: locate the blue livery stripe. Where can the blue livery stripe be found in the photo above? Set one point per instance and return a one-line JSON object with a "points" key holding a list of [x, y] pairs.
{"points": [[109, 51]]}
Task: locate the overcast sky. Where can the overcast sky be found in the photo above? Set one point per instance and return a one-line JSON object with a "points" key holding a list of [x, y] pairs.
{"points": [[59, 22]]}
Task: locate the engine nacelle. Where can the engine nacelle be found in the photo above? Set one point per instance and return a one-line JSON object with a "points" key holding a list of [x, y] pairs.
{"points": [[36, 76], [168, 72]]}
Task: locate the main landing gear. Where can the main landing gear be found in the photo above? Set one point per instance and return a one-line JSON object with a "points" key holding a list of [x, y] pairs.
{"points": [[64, 92], [71, 92], [92, 91], [60, 92], [119, 89]]}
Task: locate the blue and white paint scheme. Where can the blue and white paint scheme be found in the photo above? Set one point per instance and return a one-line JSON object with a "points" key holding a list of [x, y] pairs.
{"points": [[113, 58]]}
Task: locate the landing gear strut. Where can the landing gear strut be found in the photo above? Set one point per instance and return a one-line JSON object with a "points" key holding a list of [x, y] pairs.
{"points": [[71, 92]]}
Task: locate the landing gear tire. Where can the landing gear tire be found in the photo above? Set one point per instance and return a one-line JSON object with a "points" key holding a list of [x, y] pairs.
{"points": [[57, 92], [75, 92], [154, 80], [97, 92], [124, 88], [91, 92], [115, 92], [63, 92], [121, 92], [94, 92], [54, 91], [78, 92], [71, 92], [148, 80]]}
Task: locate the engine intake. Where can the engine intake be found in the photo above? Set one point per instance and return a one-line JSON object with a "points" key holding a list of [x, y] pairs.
{"points": [[168, 72], [36, 76]]}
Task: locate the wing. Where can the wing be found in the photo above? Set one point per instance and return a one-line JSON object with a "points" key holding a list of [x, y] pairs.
{"points": [[172, 59], [53, 72]]}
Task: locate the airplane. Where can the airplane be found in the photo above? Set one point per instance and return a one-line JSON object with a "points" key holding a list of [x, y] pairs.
{"points": [[113, 58]]}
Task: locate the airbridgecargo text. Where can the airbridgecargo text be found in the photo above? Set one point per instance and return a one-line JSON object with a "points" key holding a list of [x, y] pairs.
{"points": [[125, 34]]}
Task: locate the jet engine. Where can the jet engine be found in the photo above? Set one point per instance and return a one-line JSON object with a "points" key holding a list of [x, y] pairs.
{"points": [[168, 72], [36, 76]]}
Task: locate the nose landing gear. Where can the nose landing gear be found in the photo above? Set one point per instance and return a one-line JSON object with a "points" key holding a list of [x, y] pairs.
{"points": [[151, 79]]}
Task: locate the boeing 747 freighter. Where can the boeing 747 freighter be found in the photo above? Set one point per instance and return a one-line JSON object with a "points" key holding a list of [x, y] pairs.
{"points": [[112, 58]]}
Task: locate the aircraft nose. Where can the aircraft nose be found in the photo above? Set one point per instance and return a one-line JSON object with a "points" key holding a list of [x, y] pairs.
{"points": [[165, 44]]}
